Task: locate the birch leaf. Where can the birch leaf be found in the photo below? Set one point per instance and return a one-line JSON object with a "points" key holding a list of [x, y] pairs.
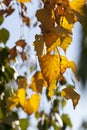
{"points": [[77, 5], [32, 104], [69, 93], [39, 45], [50, 67], [38, 82]]}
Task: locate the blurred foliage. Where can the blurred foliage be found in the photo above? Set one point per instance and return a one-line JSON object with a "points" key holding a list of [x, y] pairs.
{"points": [[56, 20], [83, 59]]}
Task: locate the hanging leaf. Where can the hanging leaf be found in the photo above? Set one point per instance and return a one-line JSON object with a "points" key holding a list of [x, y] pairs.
{"points": [[26, 20], [21, 95], [69, 93], [65, 24], [18, 97], [4, 35], [77, 5], [21, 43], [31, 105], [74, 69], [45, 17], [11, 102], [65, 43], [50, 67], [6, 2], [66, 120], [52, 87], [24, 123], [39, 45], [23, 56], [38, 82], [13, 53]]}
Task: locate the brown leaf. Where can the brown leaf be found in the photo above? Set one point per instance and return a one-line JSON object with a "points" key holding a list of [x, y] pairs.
{"points": [[26, 20], [22, 82], [70, 93], [13, 53], [38, 82], [21, 43], [6, 2], [9, 11], [45, 17], [39, 45], [23, 55]]}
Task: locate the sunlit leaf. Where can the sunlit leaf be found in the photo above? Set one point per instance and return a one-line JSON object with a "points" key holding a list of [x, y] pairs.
{"points": [[38, 82], [65, 43], [52, 88], [4, 35], [74, 69], [50, 67], [64, 64], [18, 97], [21, 94], [77, 5], [31, 105], [65, 24], [69, 93]]}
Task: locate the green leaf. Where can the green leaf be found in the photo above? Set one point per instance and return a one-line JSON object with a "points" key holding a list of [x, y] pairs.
{"points": [[4, 52], [24, 123], [1, 19], [66, 120], [9, 73], [4, 35]]}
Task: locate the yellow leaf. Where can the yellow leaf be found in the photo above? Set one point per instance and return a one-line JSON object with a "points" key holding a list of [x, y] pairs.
{"points": [[64, 64], [74, 69], [52, 88], [21, 94], [69, 93], [17, 98], [50, 67], [77, 5], [12, 102], [31, 105], [65, 43], [38, 82], [65, 24], [23, 1]]}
